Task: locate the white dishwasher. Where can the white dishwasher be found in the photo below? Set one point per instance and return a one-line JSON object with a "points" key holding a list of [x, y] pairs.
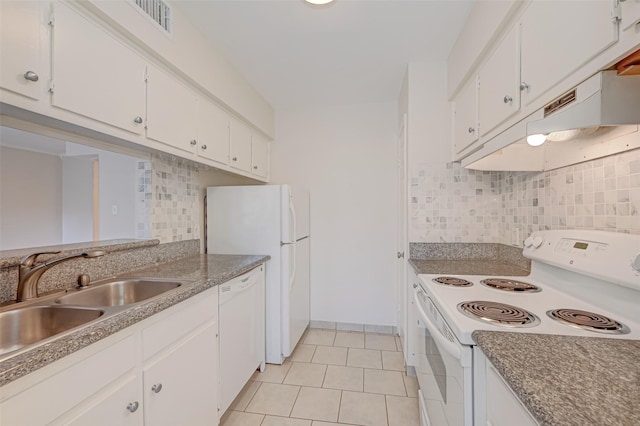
{"points": [[241, 310]]}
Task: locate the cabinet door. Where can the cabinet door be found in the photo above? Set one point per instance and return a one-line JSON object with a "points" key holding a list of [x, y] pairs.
{"points": [[20, 26], [240, 146], [181, 387], [172, 112], [94, 74], [630, 11], [499, 91], [120, 406], [558, 37], [213, 132], [465, 117], [259, 156]]}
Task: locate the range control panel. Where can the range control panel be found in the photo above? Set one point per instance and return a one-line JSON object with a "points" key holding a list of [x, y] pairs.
{"points": [[610, 256], [571, 247]]}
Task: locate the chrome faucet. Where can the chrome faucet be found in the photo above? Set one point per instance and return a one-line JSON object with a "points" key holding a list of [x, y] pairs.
{"points": [[30, 271]]}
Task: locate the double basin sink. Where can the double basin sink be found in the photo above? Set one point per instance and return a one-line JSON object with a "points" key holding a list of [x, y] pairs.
{"points": [[52, 315]]}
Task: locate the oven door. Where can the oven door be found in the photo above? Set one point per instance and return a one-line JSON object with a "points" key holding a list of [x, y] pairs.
{"points": [[444, 367]]}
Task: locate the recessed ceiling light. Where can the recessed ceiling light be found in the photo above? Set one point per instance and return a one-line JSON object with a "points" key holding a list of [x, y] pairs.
{"points": [[318, 1]]}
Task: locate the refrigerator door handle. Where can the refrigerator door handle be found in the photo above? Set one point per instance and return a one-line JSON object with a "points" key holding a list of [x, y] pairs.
{"points": [[293, 273]]}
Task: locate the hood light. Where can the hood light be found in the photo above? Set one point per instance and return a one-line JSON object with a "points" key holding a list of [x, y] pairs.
{"points": [[318, 1], [537, 139]]}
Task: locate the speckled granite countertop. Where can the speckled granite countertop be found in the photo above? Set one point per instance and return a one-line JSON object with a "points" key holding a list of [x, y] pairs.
{"points": [[565, 380], [202, 271], [467, 267]]}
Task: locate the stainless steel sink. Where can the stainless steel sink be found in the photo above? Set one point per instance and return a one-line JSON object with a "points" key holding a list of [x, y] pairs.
{"points": [[24, 326], [118, 293]]}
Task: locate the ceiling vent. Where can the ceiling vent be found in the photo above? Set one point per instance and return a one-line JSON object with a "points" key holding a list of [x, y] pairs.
{"points": [[158, 10]]}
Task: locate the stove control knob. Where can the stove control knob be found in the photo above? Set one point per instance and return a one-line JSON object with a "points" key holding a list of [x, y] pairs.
{"points": [[528, 242], [537, 242], [635, 264]]}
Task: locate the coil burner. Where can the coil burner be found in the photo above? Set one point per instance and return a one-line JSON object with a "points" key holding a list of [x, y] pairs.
{"points": [[498, 314], [588, 321], [510, 285], [452, 281]]}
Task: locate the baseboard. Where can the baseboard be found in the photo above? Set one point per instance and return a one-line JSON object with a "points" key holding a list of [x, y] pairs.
{"points": [[345, 326]]}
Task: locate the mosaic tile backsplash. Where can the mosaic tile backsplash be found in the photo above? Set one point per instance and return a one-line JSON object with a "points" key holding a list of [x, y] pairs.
{"points": [[452, 204], [175, 199]]}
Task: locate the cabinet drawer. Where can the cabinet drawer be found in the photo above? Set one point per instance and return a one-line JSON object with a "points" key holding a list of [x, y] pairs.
{"points": [[68, 388], [167, 331]]}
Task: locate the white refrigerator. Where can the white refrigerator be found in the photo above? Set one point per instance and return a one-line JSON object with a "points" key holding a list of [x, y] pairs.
{"points": [[271, 220]]}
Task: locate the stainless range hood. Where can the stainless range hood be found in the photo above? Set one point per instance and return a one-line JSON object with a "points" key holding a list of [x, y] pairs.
{"points": [[599, 117]]}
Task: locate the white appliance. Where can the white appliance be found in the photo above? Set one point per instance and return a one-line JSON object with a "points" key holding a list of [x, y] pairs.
{"points": [[591, 277], [241, 324], [268, 220]]}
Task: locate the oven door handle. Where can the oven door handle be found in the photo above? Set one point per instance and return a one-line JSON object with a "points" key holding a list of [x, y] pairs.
{"points": [[450, 347]]}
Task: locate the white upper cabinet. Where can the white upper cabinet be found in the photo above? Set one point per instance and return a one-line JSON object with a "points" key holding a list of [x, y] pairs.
{"points": [[94, 74], [630, 11], [499, 92], [559, 37], [172, 111], [465, 118], [213, 132], [21, 70], [240, 146], [259, 156]]}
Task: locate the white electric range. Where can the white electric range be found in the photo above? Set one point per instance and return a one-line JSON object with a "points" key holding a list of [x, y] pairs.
{"points": [[582, 283]]}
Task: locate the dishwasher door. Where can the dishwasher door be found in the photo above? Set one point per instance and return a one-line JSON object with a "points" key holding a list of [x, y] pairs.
{"points": [[242, 332]]}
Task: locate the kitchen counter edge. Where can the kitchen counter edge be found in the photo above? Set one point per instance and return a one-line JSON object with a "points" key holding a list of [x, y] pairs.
{"points": [[201, 273], [562, 379]]}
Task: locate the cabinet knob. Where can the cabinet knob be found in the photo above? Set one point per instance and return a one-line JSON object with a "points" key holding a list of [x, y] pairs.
{"points": [[415, 285], [133, 406], [138, 120], [203, 147], [31, 76], [156, 388], [193, 142], [524, 86], [234, 159], [255, 167], [471, 130], [507, 99]]}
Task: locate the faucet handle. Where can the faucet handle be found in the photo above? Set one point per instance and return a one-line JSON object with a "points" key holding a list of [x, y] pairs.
{"points": [[30, 259]]}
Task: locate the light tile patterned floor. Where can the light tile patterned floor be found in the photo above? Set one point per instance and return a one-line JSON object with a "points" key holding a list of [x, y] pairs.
{"points": [[332, 378]]}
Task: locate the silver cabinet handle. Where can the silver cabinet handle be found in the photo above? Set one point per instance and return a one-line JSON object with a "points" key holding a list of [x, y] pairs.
{"points": [[31, 76], [235, 159], [507, 99], [133, 406], [471, 130], [156, 388], [138, 120], [204, 147], [524, 86], [193, 142]]}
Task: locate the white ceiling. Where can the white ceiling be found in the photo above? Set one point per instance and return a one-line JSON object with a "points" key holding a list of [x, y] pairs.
{"points": [[350, 51]]}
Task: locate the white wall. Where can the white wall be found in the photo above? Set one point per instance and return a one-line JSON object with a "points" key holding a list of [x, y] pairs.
{"points": [[30, 199], [429, 124], [345, 156], [77, 199]]}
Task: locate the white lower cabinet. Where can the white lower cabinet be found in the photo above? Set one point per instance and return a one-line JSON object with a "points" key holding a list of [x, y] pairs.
{"points": [[114, 407], [495, 404], [180, 387], [412, 324], [161, 371]]}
